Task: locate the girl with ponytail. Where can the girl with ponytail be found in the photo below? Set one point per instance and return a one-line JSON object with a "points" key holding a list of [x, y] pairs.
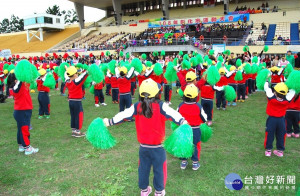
{"points": [[150, 115]]}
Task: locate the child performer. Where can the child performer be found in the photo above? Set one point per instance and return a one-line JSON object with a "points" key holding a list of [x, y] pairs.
{"points": [[278, 101], [241, 88], [74, 85], [293, 117], [232, 82], [22, 114], [43, 97], [194, 115], [150, 115], [220, 95], [114, 88], [108, 86], [99, 97]]}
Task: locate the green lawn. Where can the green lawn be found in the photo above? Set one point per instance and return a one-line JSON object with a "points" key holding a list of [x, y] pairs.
{"points": [[71, 166]]}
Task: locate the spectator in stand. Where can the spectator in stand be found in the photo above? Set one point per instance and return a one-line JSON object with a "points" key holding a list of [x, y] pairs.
{"points": [[275, 38], [275, 61], [267, 60], [275, 9], [283, 62], [259, 38], [245, 18], [297, 62], [279, 38], [237, 9], [287, 41], [201, 38], [264, 37], [225, 39]]}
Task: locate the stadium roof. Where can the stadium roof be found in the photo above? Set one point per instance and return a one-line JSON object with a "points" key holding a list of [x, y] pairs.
{"points": [[103, 3]]}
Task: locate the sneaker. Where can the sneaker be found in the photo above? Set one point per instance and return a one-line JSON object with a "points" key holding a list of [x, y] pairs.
{"points": [[83, 98], [278, 153], [209, 123], [223, 108], [243, 101], [229, 103], [246, 97], [295, 135], [97, 105], [218, 108], [30, 127], [268, 153], [117, 102], [10, 97], [47, 116], [103, 104], [30, 150], [146, 192], [183, 164], [79, 134], [40, 117], [62, 94], [289, 134], [238, 100], [234, 104], [195, 166], [21, 149], [160, 193], [170, 103], [57, 89]]}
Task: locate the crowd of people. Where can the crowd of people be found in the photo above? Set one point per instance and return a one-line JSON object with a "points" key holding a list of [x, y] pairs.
{"points": [[264, 8]]}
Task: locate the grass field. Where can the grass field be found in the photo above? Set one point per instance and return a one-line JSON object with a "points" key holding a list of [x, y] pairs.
{"points": [[71, 166]]}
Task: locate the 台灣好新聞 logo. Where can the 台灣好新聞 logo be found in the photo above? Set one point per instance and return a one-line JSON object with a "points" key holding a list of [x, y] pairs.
{"points": [[233, 182]]}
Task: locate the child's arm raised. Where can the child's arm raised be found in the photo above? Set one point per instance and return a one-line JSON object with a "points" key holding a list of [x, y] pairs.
{"points": [[81, 78], [171, 114], [126, 114], [268, 90]]}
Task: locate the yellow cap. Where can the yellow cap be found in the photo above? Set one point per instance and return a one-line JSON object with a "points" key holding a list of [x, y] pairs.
{"points": [[48, 66], [275, 68], [71, 71], [222, 70], [123, 69], [191, 91], [232, 68], [32, 91], [5, 71], [149, 86], [190, 76], [12, 71], [213, 62], [281, 88], [144, 68], [204, 64], [42, 72]]}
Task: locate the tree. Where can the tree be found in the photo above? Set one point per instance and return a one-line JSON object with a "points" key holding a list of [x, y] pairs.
{"points": [[5, 26], [55, 10], [70, 16]]}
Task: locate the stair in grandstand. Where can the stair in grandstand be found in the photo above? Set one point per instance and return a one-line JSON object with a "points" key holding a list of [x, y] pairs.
{"points": [[271, 34], [295, 34]]}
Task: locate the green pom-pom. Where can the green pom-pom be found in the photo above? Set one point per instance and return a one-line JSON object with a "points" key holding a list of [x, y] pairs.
{"points": [[85, 67], [180, 143], [98, 135], [121, 54], [112, 66], [266, 48], [33, 85], [206, 57], [79, 65], [162, 53], [49, 81], [175, 61], [199, 59], [5, 66], [180, 53], [255, 59], [254, 68], [288, 70], [230, 93], [127, 55], [180, 92], [186, 57], [127, 65], [238, 62], [195, 53], [171, 74], [107, 53], [211, 52], [246, 48], [92, 89], [174, 126], [247, 68], [155, 53], [104, 68], [148, 64], [238, 76], [206, 132], [185, 64], [213, 75], [194, 61], [11, 67], [137, 64], [25, 71], [62, 70], [158, 70], [56, 69], [209, 62], [5, 81], [293, 81], [228, 67], [227, 52], [219, 65], [220, 58], [144, 56], [87, 82], [96, 73], [261, 78]]}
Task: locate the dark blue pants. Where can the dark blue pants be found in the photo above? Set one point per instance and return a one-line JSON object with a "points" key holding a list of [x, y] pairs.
{"points": [[275, 126], [99, 97], [23, 122], [208, 108], [292, 121], [44, 102], [115, 94], [197, 144], [76, 112], [235, 88], [132, 88], [220, 95], [253, 86], [62, 88], [108, 88], [155, 157], [125, 101], [241, 91], [250, 84], [7, 90], [167, 92]]}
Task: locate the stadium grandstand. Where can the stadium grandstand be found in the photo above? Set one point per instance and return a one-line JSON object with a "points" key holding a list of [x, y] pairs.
{"points": [[142, 26]]}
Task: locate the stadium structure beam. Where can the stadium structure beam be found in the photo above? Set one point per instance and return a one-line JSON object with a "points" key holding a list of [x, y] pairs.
{"points": [[226, 6], [165, 9], [184, 4], [80, 13], [34, 34], [118, 13]]}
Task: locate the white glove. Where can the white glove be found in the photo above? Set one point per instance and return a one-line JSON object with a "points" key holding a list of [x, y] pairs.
{"points": [[106, 122]]}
